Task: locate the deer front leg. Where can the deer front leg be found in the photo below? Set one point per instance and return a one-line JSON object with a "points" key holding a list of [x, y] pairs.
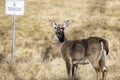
{"points": [[74, 69], [69, 66]]}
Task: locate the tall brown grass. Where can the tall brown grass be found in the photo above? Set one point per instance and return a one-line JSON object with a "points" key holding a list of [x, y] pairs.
{"points": [[36, 55]]}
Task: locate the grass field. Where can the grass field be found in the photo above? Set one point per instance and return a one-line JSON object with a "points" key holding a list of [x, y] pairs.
{"points": [[36, 55]]}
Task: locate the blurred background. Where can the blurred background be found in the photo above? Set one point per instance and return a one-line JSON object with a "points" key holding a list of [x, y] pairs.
{"points": [[37, 56]]}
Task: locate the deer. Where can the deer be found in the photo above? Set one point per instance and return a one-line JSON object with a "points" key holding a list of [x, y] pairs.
{"points": [[91, 50]]}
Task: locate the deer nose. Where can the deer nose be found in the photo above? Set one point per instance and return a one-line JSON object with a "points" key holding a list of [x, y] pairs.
{"points": [[58, 32]]}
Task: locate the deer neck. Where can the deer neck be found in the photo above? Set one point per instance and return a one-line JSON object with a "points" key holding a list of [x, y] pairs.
{"points": [[60, 45], [60, 42]]}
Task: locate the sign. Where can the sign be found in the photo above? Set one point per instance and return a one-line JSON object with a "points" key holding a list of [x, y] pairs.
{"points": [[14, 7]]}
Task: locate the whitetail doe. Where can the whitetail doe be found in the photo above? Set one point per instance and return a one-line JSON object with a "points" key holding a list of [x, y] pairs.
{"points": [[74, 52]]}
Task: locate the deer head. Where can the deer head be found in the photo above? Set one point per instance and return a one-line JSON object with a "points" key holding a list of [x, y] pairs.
{"points": [[59, 29]]}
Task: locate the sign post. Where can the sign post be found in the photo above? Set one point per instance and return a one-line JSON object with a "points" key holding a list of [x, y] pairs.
{"points": [[13, 38], [14, 7]]}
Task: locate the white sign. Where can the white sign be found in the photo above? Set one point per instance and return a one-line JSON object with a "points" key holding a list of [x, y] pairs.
{"points": [[14, 7]]}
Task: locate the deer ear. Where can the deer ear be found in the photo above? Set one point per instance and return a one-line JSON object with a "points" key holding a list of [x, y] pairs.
{"points": [[66, 23], [52, 23]]}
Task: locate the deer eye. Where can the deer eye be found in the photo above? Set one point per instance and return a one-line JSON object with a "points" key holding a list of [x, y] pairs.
{"points": [[55, 28]]}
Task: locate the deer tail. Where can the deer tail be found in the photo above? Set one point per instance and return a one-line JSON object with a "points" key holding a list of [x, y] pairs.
{"points": [[104, 46]]}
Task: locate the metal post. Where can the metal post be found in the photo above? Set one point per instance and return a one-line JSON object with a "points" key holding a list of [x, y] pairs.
{"points": [[13, 38]]}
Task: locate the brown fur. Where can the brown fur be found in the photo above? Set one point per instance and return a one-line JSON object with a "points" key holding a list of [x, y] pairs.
{"points": [[75, 51]]}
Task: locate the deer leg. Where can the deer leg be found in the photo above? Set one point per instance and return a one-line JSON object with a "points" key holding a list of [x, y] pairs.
{"points": [[104, 74], [101, 70], [98, 73], [69, 69], [96, 67], [74, 69], [104, 69]]}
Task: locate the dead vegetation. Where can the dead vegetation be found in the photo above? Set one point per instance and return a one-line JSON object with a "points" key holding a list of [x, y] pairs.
{"points": [[36, 56]]}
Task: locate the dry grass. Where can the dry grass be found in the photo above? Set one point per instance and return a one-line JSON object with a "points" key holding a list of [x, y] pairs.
{"points": [[36, 57]]}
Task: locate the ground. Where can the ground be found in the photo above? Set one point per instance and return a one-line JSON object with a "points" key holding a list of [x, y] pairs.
{"points": [[36, 55]]}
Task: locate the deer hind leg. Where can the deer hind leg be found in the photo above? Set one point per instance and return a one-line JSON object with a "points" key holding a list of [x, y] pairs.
{"points": [[101, 69], [104, 69], [102, 65], [104, 75], [97, 70]]}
